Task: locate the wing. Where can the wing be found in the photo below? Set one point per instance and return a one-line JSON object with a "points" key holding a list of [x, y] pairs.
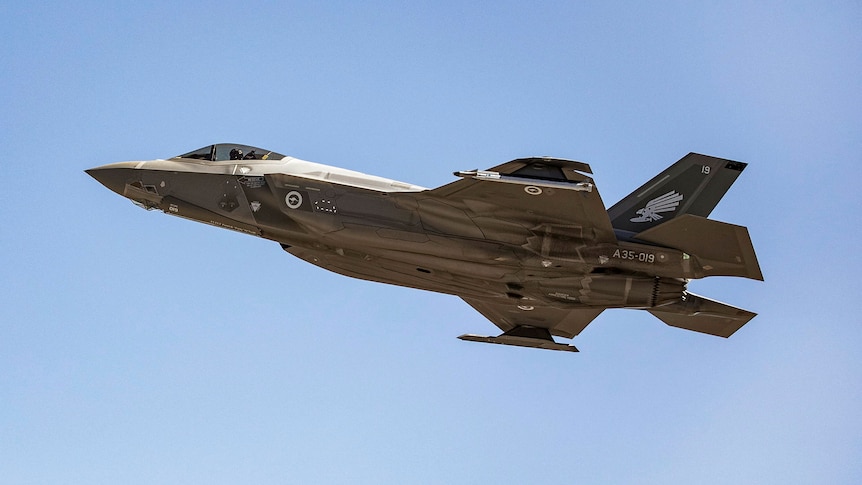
{"points": [[560, 322], [547, 205], [545, 194]]}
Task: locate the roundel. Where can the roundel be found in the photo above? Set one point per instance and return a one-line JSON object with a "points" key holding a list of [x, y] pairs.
{"points": [[293, 199], [532, 190]]}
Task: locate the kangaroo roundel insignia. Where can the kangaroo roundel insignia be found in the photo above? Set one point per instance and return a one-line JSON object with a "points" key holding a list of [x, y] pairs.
{"points": [[293, 199]]}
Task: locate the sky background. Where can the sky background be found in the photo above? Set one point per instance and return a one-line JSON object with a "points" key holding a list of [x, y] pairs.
{"points": [[141, 348]]}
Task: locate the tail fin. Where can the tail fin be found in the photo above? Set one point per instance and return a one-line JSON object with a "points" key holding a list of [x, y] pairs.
{"points": [[700, 314], [693, 185]]}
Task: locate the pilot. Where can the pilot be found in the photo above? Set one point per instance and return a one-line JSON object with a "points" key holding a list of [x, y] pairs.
{"points": [[236, 154]]}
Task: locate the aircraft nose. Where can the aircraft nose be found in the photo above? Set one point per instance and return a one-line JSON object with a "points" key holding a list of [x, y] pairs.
{"points": [[114, 176], [107, 177]]}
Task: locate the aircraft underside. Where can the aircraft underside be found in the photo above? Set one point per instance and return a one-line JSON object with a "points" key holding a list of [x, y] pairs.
{"points": [[517, 287], [528, 243]]}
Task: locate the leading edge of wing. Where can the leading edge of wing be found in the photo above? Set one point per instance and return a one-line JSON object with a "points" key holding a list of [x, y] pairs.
{"points": [[539, 163], [538, 170]]}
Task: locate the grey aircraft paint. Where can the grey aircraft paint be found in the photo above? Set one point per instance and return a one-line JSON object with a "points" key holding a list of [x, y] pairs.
{"points": [[528, 244]]}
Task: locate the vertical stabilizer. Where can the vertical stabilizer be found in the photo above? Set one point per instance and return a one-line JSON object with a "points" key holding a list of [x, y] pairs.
{"points": [[693, 185]]}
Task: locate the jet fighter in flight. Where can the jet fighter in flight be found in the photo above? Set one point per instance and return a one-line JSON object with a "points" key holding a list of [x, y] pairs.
{"points": [[529, 243]]}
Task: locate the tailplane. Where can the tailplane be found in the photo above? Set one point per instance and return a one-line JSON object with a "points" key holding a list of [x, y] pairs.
{"points": [[719, 248], [700, 314], [693, 185]]}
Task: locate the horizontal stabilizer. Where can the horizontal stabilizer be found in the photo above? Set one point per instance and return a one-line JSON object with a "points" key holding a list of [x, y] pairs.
{"points": [[721, 249], [700, 314], [536, 338]]}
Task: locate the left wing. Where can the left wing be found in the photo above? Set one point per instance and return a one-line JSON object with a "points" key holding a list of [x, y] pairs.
{"points": [[548, 203], [561, 322], [531, 328], [535, 193]]}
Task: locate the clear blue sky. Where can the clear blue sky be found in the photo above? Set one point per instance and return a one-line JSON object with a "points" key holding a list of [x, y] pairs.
{"points": [[140, 348]]}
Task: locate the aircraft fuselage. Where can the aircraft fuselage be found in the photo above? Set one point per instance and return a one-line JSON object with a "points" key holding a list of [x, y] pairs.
{"points": [[404, 237], [515, 240]]}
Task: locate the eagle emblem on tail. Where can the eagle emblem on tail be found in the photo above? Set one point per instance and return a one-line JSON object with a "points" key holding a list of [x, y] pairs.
{"points": [[663, 203]]}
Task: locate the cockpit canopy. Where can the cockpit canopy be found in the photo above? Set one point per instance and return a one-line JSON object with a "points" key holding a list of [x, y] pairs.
{"points": [[231, 151]]}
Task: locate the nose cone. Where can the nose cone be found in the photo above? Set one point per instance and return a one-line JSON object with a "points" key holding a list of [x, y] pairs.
{"points": [[110, 178], [114, 176]]}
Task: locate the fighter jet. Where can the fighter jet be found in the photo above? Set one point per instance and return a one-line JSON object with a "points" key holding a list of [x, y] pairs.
{"points": [[529, 243]]}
